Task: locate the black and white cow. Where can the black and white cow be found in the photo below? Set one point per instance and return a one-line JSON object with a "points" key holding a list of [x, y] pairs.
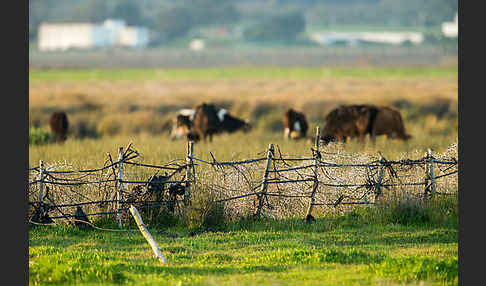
{"points": [[209, 120]]}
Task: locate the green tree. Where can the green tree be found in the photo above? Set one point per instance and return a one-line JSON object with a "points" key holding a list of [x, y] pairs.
{"points": [[128, 11], [285, 27], [171, 24]]}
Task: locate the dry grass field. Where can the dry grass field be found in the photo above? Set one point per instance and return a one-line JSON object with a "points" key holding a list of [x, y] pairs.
{"points": [[108, 108]]}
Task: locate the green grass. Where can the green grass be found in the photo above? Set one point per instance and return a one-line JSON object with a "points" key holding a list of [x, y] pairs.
{"points": [[248, 253], [303, 73]]}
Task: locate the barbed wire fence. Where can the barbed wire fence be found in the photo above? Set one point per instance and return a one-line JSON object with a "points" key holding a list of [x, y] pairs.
{"points": [[275, 185]]}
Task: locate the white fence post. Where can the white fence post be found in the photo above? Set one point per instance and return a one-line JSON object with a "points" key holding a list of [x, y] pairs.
{"points": [[147, 235]]}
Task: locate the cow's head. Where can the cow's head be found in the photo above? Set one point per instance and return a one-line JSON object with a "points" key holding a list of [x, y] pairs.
{"points": [[326, 139], [247, 126], [192, 136], [181, 127]]}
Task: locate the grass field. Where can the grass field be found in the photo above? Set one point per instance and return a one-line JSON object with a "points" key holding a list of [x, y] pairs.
{"points": [[334, 251], [110, 108]]}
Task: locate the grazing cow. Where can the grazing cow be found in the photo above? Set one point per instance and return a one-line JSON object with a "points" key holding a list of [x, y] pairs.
{"points": [[349, 121], [388, 122], [182, 125], [59, 125], [209, 120], [295, 124]]}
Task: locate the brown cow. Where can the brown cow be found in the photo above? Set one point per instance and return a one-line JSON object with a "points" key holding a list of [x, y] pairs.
{"points": [[209, 120], [388, 122], [349, 121], [295, 124], [59, 125]]}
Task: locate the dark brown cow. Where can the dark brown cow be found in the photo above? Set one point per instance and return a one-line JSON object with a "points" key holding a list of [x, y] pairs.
{"points": [[59, 125], [388, 122], [209, 120], [295, 124], [349, 121]]}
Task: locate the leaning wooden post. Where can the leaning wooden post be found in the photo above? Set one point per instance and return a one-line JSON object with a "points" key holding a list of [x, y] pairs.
{"points": [[41, 186], [431, 172], [380, 177], [317, 158], [146, 234], [120, 185], [189, 172], [263, 190]]}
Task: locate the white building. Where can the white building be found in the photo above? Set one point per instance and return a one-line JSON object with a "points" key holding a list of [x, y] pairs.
{"points": [[451, 29], [110, 33], [197, 45]]}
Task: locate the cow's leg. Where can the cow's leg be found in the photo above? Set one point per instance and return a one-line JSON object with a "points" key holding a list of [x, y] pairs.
{"points": [[373, 137], [287, 133]]}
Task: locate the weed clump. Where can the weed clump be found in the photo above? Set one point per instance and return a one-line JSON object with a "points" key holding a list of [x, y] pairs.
{"points": [[407, 211], [418, 268], [204, 212], [38, 136]]}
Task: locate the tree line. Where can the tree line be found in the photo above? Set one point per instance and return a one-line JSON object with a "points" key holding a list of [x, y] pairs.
{"points": [[272, 20]]}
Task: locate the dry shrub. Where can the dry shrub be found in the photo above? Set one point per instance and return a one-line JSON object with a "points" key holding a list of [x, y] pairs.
{"points": [[204, 211], [137, 122], [83, 125], [270, 122], [110, 125]]}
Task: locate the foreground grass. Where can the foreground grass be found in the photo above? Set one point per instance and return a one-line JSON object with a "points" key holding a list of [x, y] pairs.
{"points": [[328, 252]]}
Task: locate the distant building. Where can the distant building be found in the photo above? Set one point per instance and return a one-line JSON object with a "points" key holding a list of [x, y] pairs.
{"points": [[197, 45], [111, 33], [451, 29], [357, 38]]}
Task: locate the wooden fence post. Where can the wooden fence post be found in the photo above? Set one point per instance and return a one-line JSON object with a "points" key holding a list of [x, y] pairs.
{"points": [[426, 188], [41, 186], [317, 158], [261, 196], [120, 185], [380, 177], [189, 172], [431, 172]]}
